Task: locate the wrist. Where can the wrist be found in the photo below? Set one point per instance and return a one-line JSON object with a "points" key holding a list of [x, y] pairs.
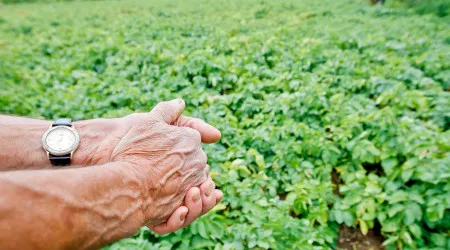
{"points": [[97, 141], [94, 148]]}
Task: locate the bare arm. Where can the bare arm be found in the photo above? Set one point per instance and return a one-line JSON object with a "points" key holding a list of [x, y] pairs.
{"points": [[21, 147], [82, 208], [20, 141]]}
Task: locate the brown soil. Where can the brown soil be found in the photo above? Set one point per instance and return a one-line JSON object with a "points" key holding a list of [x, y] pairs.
{"points": [[336, 180], [353, 239]]}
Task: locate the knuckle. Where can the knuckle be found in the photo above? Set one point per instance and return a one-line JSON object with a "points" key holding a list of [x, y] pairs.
{"points": [[144, 126], [186, 131], [164, 114], [196, 135], [191, 122], [193, 134]]}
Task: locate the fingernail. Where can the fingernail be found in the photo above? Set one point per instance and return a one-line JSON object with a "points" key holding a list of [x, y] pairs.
{"points": [[209, 190], [196, 198], [182, 216]]}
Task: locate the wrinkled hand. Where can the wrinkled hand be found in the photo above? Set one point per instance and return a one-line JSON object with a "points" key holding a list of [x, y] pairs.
{"points": [[164, 149]]}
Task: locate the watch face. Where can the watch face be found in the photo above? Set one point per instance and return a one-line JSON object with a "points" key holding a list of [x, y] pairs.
{"points": [[61, 140]]}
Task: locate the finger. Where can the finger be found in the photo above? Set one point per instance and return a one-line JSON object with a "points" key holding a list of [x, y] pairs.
{"points": [[219, 195], [208, 198], [175, 222], [208, 133], [193, 202], [168, 112]]}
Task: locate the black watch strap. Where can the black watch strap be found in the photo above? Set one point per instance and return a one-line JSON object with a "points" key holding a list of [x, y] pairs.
{"points": [[61, 160]]}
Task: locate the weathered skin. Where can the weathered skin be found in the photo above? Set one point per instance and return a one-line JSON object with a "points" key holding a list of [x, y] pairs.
{"points": [[169, 167], [149, 170]]}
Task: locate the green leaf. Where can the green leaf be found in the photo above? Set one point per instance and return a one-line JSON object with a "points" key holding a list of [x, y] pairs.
{"points": [[201, 243], [307, 165], [259, 159], [415, 196], [390, 241], [373, 150], [363, 226], [406, 174], [438, 239], [398, 196], [413, 213], [202, 229], [338, 215], [407, 238], [388, 165], [395, 210], [348, 218], [390, 226], [415, 230], [435, 212]]}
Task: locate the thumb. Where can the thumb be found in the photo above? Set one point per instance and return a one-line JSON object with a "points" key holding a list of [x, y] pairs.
{"points": [[169, 111]]}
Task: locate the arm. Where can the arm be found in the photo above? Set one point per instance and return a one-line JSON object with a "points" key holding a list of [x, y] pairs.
{"points": [[20, 141], [71, 208], [86, 208], [148, 142]]}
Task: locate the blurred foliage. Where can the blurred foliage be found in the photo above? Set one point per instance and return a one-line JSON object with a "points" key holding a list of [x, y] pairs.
{"points": [[438, 7], [37, 1], [299, 89], [32, 1]]}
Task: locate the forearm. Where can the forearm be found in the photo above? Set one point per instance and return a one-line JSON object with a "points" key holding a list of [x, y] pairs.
{"points": [[20, 141], [70, 208]]}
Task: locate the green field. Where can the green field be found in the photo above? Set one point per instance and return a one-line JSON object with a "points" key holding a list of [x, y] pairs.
{"points": [[332, 112]]}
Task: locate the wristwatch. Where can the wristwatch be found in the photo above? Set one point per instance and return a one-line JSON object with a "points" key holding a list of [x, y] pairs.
{"points": [[60, 141]]}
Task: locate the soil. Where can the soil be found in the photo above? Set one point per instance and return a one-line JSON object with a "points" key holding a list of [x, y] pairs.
{"points": [[336, 180], [353, 239]]}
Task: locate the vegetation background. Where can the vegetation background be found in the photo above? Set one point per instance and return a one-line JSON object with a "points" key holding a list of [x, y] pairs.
{"points": [[335, 114]]}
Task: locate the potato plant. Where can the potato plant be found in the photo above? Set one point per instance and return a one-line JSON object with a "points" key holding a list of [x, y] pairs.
{"points": [[301, 90]]}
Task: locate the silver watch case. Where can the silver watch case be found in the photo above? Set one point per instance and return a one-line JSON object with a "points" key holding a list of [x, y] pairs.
{"points": [[65, 152]]}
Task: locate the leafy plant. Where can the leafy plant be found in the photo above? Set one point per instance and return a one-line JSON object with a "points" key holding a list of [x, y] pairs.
{"points": [[301, 90]]}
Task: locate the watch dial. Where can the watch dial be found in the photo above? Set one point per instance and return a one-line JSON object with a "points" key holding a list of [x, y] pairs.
{"points": [[60, 139]]}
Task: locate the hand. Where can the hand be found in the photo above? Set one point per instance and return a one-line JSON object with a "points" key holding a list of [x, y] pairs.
{"points": [[164, 148], [198, 201]]}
